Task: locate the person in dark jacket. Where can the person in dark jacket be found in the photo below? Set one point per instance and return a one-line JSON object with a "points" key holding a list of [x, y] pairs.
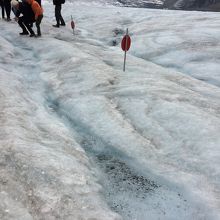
{"points": [[27, 17], [3, 8], [6, 7], [58, 16]]}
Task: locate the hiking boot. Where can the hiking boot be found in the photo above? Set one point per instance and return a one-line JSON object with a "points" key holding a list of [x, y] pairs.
{"points": [[38, 32], [56, 25], [33, 35], [63, 24], [24, 33]]}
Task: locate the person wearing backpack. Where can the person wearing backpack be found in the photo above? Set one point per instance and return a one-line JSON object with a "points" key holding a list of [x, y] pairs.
{"points": [[58, 16], [38, 14]]}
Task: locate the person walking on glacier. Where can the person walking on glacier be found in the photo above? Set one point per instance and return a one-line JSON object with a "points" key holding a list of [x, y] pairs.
{"points": [[3, 8], [58, 16], [6, 7]]}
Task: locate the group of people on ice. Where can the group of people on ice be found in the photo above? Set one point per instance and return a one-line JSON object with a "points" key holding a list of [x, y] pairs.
{"points": [[28, 12]]}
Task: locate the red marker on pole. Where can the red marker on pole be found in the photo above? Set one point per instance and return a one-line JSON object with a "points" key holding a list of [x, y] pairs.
{"points": [[125, 45], [72, 24]]}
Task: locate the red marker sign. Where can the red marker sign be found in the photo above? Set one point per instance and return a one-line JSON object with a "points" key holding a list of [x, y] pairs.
{"points": [[72, 24], [125, 45]]}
